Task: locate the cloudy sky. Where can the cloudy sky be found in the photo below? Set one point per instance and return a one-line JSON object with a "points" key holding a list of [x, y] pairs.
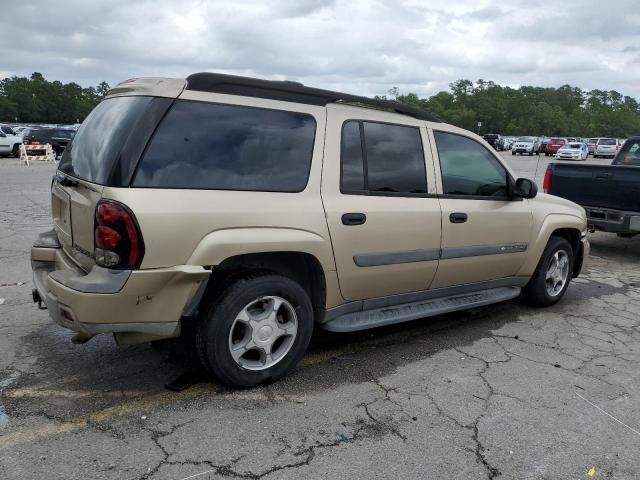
{"points": [[357, 46]]}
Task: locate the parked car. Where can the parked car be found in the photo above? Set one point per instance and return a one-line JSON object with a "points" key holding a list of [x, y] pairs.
{"points": [[528, 145], [9, 141], [504, 143], [606, 147], [573, 151], [591, 145], [554, 145], [610, 194], [493, 139], [251, 212], [57, 137]]}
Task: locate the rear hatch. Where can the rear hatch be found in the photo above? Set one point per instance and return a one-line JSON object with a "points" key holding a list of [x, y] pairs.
{"points": [[104, 152]]}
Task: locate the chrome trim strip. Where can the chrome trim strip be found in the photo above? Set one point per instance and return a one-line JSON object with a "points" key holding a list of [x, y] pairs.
{"points": [[393, 258]]}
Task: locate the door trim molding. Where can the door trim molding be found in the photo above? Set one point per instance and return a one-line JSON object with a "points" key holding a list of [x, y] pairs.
{"points": [[429, 255]]}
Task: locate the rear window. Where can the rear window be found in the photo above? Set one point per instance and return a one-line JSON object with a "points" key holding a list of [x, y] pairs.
{"points": [[229, 147], [629, 154], [593, 140], [101, 151], [607, 141], [557, 140]]}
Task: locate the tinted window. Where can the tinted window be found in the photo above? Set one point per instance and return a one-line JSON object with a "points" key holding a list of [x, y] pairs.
{"points": [[392, 159], [607, 141], [629, 154], [352, 175], [63, 134], [468, 168], [227, 147], [395, 162], [97, 145], [7, 130]]}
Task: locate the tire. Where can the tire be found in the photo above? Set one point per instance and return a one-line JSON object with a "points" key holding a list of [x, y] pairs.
{"points": [[220, 320], [16, 150], [536, 293], [512, 152], [4, 155], [531, 153]]}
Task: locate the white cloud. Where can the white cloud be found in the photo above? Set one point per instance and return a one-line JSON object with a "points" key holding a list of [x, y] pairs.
{"points": [[358, 46]]}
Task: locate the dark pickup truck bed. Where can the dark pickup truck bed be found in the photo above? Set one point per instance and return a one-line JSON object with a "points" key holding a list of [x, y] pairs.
{"points": [[609, 193]]}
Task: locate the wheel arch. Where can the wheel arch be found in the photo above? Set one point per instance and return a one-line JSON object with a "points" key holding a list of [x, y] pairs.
{"points": [[565, 226]]}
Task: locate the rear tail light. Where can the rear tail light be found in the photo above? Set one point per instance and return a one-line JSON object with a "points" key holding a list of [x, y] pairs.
{"points": [[546, 183], [117, 238]]}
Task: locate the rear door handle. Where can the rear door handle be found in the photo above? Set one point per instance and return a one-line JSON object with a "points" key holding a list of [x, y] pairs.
{"points": [[458, 217], [354, 218]]}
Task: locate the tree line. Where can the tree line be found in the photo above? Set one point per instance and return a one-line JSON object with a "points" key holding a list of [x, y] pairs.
{"points": [[37, 100], [563, 111]]}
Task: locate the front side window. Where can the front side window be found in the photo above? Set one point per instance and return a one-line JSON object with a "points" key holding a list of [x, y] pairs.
{"points": [[229, 147], [380, 158], [468, 168]]}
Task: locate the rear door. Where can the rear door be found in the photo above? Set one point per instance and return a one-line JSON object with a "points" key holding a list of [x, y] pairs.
{"points": [[377, 190], [485, 234]]}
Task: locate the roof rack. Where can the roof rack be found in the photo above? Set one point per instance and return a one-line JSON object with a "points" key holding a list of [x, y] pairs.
{"points": [[293, 92]]}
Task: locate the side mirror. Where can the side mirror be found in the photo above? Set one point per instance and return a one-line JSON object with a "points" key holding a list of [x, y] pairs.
{"points": [[525, 188]]}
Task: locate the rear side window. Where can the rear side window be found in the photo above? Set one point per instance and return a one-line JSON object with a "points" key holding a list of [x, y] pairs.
{"points": [[229, 147], [468, 168], [381, 159]]}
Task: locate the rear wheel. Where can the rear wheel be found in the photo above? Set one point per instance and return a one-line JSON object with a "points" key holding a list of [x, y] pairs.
{"points": [[552, 276], [16, 150], [512, 152], [256, 330]]}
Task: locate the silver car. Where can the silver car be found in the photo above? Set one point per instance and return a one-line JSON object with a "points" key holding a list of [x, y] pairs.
{"points": [[606, 147]]}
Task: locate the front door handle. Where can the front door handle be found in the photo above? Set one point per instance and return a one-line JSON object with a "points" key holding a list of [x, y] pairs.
{"points": [[458, 217], [354, 218]]}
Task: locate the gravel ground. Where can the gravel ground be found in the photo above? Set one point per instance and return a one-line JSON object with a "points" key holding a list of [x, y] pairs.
{"points": [[505, 391]]}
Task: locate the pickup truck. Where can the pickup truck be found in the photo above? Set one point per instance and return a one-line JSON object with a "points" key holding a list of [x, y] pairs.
{"points": [[610, 194]]}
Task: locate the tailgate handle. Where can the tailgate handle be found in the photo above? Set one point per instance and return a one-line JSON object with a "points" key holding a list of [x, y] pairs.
{"points": [[65, 181], [603, 176], [354, 218]]}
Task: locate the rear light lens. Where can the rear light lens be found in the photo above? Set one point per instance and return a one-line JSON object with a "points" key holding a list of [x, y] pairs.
{"points": [[546, 183], [117, 238]]}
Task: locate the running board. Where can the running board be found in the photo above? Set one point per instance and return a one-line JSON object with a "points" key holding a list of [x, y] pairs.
{"points": [[351, 322]]}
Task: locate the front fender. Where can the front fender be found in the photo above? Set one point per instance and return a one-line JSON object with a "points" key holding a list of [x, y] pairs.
{"points": [[217, 246], [550, 224]]}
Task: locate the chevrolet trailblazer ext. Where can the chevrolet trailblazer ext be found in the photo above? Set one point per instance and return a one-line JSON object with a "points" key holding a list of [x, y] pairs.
{"points": [[253, 211]]}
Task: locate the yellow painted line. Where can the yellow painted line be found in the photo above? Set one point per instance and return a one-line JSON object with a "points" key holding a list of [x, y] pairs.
{"points": [[152, 401], [128, 407]]}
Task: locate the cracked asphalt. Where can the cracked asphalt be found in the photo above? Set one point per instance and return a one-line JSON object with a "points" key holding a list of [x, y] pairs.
{"points": [[505, 391]]}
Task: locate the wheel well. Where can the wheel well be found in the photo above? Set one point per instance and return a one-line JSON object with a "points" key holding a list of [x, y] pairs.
{"points": [[304, 268], [572, 236]]}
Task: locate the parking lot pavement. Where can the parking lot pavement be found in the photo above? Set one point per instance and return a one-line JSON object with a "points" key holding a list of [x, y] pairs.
{"points": [[505, 391]]}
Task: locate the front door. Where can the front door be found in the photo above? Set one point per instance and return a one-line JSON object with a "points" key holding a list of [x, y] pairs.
{"points": [[376, 184], [485, 234]]}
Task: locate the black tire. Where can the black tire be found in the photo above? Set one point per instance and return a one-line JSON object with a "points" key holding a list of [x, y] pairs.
{"points": [[4, 155], [216, 321], [531, 153], [512, 152], [16, 150], [535, 292]]}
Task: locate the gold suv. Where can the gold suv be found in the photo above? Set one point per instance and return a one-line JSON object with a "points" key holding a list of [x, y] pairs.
{"points": [[253, 211]]}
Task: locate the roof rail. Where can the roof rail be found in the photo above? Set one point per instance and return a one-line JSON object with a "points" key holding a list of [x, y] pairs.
{"points": [[293, 92]]}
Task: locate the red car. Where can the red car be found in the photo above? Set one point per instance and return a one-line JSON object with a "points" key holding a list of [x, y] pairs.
{"points": [[552, 147]]}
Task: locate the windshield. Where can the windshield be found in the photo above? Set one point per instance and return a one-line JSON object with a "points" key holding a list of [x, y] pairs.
{"points": [[525, 139], [629, 154], [96, 147]]}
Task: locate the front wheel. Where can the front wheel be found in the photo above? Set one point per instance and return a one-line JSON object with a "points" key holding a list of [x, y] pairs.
{"points": [[256, 330], [552, 276], [512, 152]]}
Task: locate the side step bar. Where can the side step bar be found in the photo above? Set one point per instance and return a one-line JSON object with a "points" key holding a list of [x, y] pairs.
{"points": [[351, 322]]}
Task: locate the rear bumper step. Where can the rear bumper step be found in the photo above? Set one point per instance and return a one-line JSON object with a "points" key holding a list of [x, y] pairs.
{"points": [[351, 322]]}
